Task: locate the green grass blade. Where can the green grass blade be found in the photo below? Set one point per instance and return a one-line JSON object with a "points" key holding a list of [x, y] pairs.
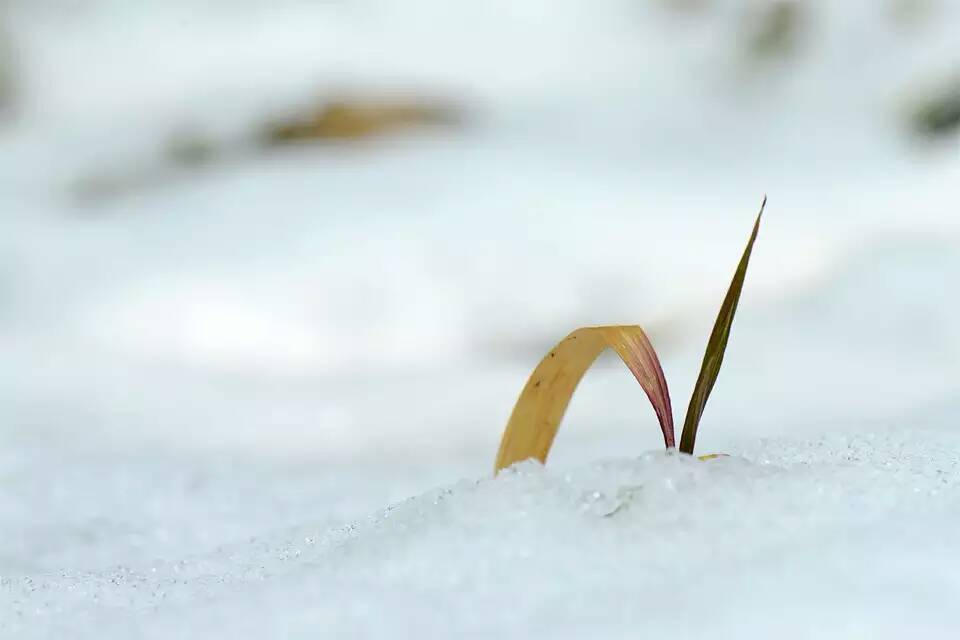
{"points": [[716, 346]]}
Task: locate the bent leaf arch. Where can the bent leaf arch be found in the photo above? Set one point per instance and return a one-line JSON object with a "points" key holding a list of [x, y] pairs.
{"points": [[536, 417]]}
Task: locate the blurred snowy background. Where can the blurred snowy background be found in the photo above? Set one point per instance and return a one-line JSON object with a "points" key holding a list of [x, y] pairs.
{"points": [[270, 263]]}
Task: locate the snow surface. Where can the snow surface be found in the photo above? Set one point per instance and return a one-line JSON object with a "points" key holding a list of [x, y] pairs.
{"points": [[213, 383], [837, 537]]}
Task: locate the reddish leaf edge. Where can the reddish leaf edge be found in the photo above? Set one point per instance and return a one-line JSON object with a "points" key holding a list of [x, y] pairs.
{"points": [[641, 358]]}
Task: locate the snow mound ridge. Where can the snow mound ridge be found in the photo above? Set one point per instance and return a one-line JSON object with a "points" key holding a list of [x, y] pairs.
{"points": [[840, 537]]}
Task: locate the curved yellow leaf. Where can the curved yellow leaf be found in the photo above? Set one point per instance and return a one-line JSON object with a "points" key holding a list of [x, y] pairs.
{"points": [[536, 416]]}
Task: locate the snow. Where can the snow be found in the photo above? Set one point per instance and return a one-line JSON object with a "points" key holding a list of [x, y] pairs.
{"points": [[842, 536], [220, 388]]}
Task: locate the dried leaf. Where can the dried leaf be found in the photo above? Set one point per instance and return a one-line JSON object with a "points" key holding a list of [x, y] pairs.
{"points": [[359, 119], [716, 346], [712, 456], [536, 416]]}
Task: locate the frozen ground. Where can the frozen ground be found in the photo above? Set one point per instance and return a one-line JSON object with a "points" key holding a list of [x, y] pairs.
{"points": [[213, 384]]}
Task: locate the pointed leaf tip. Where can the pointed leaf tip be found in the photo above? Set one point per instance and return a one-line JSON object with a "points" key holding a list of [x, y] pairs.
{"points": [[717, 345]]}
